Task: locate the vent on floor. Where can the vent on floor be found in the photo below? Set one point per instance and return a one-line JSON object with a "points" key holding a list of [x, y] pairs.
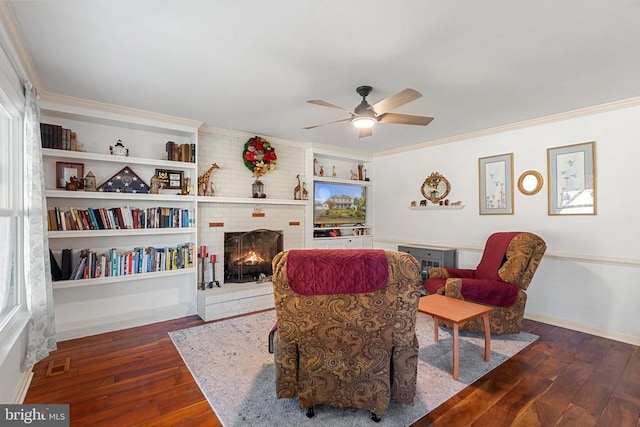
{"points": [[58, 366]]}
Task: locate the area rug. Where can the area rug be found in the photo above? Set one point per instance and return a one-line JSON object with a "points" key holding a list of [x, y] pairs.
{"points": [[231, 364]]}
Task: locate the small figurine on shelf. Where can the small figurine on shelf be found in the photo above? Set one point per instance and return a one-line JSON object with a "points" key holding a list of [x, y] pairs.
{"points": [[186, 187], [354, 175], [321, 173], [156, 185], [297, 190], [119, 149], [73, 185], [90, 182], [305, 193], [203, 181], [315, 167], [360, 171], [334, 174]]}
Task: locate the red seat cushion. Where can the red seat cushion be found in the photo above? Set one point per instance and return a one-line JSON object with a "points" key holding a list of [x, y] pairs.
{"points": [[336, 271], [493, 292], [432, 285], [493, 256]]}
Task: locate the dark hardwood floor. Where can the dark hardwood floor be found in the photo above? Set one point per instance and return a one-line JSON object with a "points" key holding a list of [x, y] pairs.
{"points": [[136, 377]]}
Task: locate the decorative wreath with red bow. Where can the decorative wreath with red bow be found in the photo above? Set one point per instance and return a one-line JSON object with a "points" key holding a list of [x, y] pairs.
{"points": [[259, 156]]}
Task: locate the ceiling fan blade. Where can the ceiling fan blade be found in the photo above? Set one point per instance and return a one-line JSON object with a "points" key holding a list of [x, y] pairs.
{"points": [[326, 104], [363, 132], [394, 101], [404, 119], [328, 123]]}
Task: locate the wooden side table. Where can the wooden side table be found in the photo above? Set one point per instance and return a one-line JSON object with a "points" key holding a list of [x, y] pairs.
{"points": [[457, 312]]}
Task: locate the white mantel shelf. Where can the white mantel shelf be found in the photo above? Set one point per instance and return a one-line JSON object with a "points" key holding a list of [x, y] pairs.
{"points": [[81, 194], [251, 201], [436, 208], [361, 182]]}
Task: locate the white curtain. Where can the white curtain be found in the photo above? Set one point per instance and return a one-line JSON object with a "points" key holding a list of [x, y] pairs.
{"points": [[39, 291]]}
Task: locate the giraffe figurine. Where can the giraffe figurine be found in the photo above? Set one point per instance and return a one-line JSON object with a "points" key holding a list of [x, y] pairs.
{"points": [[203, 181], [305, 193], [296, 190]]}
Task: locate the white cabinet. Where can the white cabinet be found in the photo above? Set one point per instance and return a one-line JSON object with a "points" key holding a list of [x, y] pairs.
{"points": [[353, 242], [144, 268]]}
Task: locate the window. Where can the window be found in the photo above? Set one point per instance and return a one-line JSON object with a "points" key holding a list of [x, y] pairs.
{"points": [[9, 218]]}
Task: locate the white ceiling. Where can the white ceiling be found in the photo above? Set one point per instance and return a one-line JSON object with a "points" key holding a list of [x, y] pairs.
{"points": [[250, 65]]}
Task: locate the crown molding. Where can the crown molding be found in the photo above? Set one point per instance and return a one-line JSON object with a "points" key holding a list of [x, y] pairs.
{"points": [[117, 110], [13, 42], [583, 112]]}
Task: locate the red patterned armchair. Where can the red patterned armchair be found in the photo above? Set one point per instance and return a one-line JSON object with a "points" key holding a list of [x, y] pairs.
{"points": [[500, 280], [345, 333]]}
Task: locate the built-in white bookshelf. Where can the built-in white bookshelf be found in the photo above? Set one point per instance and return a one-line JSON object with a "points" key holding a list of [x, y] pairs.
{"points": [[109, 302]]}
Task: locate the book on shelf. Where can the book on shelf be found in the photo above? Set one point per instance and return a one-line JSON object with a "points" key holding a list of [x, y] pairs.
{"points": [[57, 137], [56, 272], [119, 218], [90, 264], [181, 152]]}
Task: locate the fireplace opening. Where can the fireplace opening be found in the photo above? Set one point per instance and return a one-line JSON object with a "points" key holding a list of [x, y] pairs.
{"points": [[248, 255]]}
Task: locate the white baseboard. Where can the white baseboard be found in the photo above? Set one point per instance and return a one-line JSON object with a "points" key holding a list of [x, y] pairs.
{"points": [[617, 336], [23, 387], [99, 325]]}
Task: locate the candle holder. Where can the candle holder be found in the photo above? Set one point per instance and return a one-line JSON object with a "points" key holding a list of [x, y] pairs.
{"points": [[212, 259], [205, 260], [257, 189]]}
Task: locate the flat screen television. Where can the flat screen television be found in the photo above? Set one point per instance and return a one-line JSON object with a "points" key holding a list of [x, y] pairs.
{"points": [[339, 204]]}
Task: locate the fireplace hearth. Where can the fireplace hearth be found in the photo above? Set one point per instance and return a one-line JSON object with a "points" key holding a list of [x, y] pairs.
{"points": [[248, 255]]}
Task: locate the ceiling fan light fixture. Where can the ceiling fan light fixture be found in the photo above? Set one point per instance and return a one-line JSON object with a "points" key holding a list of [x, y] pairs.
{"points": [[363, 122]]}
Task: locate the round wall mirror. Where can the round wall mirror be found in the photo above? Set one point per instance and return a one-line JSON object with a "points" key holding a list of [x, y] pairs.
{"points": [[530, 182], [435, 187]]}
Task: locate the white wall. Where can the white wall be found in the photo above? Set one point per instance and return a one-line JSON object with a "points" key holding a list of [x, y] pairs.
{"points": [[590, 277]]}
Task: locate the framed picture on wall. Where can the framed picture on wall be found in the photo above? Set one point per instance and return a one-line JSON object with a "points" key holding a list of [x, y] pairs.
{"points": [[496, 184], [572, 180]]}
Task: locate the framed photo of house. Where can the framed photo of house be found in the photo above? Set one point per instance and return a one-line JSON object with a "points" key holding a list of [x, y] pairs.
{"points": [[496, 184], [572, 179], [64, 172], [171, 179]]}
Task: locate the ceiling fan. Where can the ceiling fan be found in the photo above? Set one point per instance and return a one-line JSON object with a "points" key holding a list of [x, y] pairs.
{"points": [[365, 116]]}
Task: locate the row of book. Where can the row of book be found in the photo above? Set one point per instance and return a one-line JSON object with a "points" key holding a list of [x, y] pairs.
{"points": [[88, 264], [181, 152], [55, 136], [119, 218]]}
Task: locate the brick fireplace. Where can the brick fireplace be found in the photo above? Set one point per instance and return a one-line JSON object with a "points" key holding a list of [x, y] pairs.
{"points": [[232, 210]]}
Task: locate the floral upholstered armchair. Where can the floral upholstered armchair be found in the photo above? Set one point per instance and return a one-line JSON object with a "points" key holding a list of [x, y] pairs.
{"points": [[500, 280], [345, 333]]}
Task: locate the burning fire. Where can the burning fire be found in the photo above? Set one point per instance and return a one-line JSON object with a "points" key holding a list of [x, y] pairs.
{"points": [[250, 257]]}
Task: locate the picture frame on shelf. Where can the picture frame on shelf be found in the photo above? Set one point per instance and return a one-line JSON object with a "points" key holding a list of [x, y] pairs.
{"points": [[171, 179], [496, 184], [66, 170], [572, 179]]}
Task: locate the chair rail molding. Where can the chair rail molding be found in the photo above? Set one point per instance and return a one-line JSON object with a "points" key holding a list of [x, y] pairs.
{"points": [[625, 262]]}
